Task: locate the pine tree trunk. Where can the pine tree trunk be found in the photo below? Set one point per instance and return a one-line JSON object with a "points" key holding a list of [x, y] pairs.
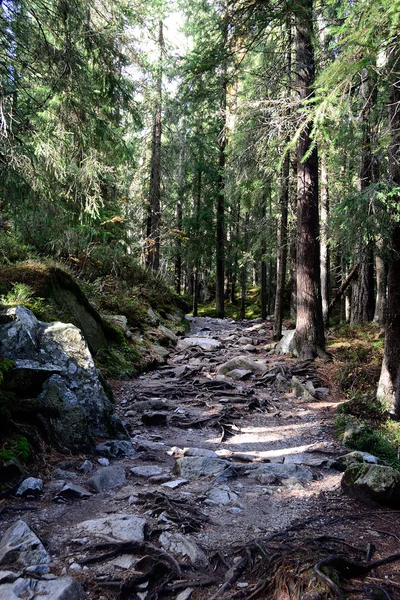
{"points": [[154, 210], [309, 338], [264, 263], [363, 297], [178, 249], [243, 273], [293, 243], [325, 258], [389, 383], [381, 283], [220, 224], [281, 256]]}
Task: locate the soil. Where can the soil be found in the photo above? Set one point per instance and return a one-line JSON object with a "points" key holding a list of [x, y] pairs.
{"points": [[253, 422]]}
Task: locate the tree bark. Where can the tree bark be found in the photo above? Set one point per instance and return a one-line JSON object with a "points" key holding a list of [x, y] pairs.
{"points": [[363, 297], [325, 255], [381, 283], [243, 273], [264, 262], [281, 256], [154, 209], [220, 223], [309, 338], [389, 383]]}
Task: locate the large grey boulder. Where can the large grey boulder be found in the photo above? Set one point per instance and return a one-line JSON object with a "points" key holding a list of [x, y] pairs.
{"points": [[286, 344], [124, 528], [19, 545], [107, 478], [341, 463], [72, 394], [206, 344], [191, 467], [182, 546], [64, 588], [270, 472], [373, 482], [241, 362]]}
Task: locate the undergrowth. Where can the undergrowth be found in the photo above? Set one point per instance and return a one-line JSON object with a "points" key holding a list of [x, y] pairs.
{"points": [[357, 358]]}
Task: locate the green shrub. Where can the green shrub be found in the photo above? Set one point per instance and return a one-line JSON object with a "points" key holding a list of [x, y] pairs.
{"points": [[16, 448]]}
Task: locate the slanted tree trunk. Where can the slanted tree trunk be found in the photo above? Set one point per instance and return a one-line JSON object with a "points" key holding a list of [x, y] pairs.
{"points": [[154, 208], [389, 383], [309, 338]]}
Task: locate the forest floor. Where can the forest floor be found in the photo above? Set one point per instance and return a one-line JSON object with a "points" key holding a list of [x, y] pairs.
{"points": [[234, 480]]}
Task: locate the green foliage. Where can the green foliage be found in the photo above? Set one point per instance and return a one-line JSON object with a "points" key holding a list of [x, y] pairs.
{"points": [[119, 361], [376, 442], [21, 293], [12, 250], [24, 294], [16, 448]]}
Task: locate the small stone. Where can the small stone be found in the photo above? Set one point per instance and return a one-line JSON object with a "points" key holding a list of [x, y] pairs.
{"points": [[146, 471], [71, 491], [107, 478], [75, 567], [37, 570], [65, 475], [181, 545], [199, 452], [176, 483], [86, 467], [125, 561], [30, 487], [115, 448], [104, 462]]}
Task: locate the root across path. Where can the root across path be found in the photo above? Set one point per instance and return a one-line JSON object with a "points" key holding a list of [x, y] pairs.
{"points": [[229, 492]]}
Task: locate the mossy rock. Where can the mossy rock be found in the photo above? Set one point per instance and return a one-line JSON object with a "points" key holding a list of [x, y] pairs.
{"points": [[373, 482]]}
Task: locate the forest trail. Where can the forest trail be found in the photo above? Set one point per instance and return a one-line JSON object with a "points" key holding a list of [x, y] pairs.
{"points": [[222, 469]]}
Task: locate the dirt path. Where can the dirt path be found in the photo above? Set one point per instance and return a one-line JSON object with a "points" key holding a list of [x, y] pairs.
{"points": [[219, 462]]}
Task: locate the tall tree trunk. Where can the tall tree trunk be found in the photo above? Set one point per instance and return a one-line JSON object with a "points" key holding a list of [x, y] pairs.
{"points": [[381, 283], [281, 255], [363, 297], [179, 223], [220, 224], [178, 248], [243, 273], [264, 262], [309, 338], [198, 195], [236, 257], [325, 258], [293, 242], [389, 383], [154, 210]]}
